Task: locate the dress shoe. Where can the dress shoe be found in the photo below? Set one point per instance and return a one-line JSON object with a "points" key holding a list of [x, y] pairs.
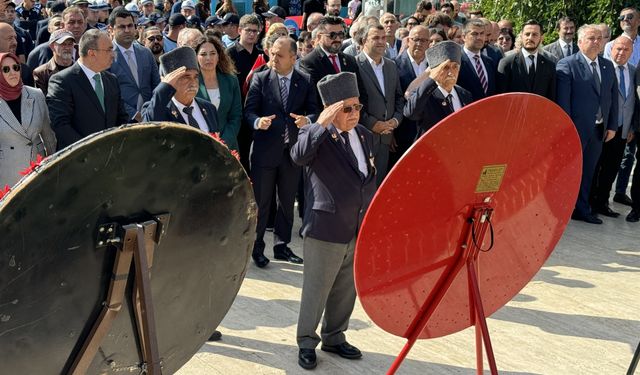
{"points": [[216, 336], [622, 199], [260, 260], [344, 350], [307, 359], [607, 211], [284, 253], [591, 219], [633, 217]]}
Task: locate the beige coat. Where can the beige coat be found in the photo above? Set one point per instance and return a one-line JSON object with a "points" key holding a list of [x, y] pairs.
{"points": [[21, 143]]}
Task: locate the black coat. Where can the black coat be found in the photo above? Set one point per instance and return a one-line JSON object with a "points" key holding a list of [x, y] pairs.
{"points": [[513, 76]]}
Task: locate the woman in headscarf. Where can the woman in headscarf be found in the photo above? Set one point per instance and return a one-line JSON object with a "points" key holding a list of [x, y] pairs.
{"points": [[25, 131]]}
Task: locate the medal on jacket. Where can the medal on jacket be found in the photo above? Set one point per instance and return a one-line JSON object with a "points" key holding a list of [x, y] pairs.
{"points": [[204, 111], [334, 136], [174, 113]]}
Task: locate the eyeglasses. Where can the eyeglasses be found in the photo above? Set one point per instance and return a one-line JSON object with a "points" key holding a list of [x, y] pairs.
{"points": [[626, 17], [335, 35], [156, 38], [251, 31], [7, 69], [355, 107]]}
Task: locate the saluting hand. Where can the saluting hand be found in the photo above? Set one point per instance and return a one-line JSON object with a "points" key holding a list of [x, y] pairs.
{"points": [[265, 122], [328, 114], [173, 77]]}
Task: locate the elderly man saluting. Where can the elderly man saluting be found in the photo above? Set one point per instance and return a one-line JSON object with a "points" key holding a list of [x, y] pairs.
{"points": [[337, 155]]}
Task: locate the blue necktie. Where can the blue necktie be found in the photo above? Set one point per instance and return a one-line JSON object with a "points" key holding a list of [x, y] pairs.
{"points": [[623, 85]]}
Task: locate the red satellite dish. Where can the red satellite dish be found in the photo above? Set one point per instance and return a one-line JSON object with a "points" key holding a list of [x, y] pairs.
{"points": [[490, 188]]}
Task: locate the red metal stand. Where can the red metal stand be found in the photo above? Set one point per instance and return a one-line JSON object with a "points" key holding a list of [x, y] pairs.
{"points": [[469, 248]]}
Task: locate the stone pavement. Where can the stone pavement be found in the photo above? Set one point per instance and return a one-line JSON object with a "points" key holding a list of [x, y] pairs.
{"points": [[579, 315]]}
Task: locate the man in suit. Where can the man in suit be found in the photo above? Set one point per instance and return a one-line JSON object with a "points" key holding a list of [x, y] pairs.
{"points": [[564, 46], [337, 156], [61, 43], [391, 24], [411, 63], [528, 70], [490, 38], [629, 22], [278, 103], [477, 71], [174, 99], [438, 96], [74, 22], [385, 98], [84, 98], [612, 151], [134, 65], [588, 93]]}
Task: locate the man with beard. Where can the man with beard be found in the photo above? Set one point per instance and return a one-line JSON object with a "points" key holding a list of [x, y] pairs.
{"points": [[477, 71], [134, 65], [61, 43], [154, 41], [564, 46], [528, 70], [333, 8]]}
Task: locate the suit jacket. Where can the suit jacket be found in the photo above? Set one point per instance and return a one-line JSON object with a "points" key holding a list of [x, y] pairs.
{"points": [[263, 99], [493, 52], [381, 106], [74, 106], [468, 78], [229, 112], [578, 95], [513, 75], [555, 49], [40, 55], [42, 74], [161, 108], [318, 65], [407, 131], [336, 197], [628, 103], [21, 142], [148, 76], [427, 106]]}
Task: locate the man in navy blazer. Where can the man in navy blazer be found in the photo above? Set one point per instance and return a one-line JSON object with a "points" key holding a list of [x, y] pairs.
{"points": [[337, 156], [477, 71], [279, 101], [587, 91], [134, 64]]}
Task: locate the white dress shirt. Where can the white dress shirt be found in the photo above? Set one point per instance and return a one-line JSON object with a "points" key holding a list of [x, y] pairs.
{"points": [[564, 44], [377, 70], [196, 113], [337, 57], [527, 60], [455, 99], [418, 68], [471, 57], [90, 73]]}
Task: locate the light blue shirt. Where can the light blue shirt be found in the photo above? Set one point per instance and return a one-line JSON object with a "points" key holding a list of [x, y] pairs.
{"points": [[635, 54]]}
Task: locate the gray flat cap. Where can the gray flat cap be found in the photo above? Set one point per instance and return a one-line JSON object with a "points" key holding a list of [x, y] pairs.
{"points": [[179, 57], [336, 87], [442, 52]]}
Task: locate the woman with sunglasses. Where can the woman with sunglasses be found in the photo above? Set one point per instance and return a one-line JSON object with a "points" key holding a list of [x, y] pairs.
{"points": [[219, 85], [25, 131]]}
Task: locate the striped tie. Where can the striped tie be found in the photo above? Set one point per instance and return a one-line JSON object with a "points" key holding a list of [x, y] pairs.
{"points": [[284, 94], [480, 72]]}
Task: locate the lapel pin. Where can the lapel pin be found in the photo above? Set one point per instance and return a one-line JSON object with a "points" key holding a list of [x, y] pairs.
{"points": [[444, 104], [204, 111], [174, 113], [334, 136]]}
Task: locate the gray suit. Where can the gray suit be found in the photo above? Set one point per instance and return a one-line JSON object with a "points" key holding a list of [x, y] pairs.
{"points": [[21, 142], [555, 49], [381, 106]]}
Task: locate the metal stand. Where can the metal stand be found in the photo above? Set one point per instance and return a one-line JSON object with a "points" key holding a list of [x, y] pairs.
{"points": [[134, 243], [466, 255], [634, 361]]}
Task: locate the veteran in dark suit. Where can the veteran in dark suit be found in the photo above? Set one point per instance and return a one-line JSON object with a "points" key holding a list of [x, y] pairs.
{"points": [[587, 91], [84, 98], [528, 70], [337, 156], [279, 101], [175, 97], [438, 96]]}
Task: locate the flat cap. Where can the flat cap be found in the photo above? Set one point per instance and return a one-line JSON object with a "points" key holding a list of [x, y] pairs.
{"points": [[188, 4], [442, 52], [177, 58], [336, 87]]}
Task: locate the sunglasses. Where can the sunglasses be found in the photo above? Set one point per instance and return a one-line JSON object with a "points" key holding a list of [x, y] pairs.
{"points": [[355, 107], [7, 69], [335, 35], [626, 17], [156, 38]]}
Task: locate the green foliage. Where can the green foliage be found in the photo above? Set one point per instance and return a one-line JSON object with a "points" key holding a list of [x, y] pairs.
{"points": [[547, 12]]}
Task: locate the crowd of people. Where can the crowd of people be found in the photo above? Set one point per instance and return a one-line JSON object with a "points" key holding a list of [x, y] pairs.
{"points": [[317, 116]]}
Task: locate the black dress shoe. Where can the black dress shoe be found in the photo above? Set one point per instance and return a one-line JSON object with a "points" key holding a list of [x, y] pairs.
{"points": [[260, 260], [607, 211], [216, 336], [591, 219], [622, 199], [284, 253], [307, 359], [633, 217], [344, 350]]}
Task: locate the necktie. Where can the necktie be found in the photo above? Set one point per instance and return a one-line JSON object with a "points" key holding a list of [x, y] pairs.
{"points": [[335, 63], [567, 47], [596, 79], [532, 68], [284, 94], [76, 53], [352, 156], [623, 85], [481, 75], [192, 120], [99, 89], [133, 66]]}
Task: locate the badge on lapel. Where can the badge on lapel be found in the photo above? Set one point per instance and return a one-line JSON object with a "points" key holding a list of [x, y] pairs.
{"points": [[334, 136], [444, 104], [204, 111], [174, 113]]}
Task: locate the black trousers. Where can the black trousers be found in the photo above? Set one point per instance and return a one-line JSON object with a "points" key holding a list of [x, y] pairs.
{"points": [[283, 180], [607, 170]]}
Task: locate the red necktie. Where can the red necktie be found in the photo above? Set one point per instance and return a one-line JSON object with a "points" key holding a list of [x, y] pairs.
{"points": [[335, 63]]}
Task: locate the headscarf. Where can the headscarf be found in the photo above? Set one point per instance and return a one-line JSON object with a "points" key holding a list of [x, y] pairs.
{"points": [[6, 91]]}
